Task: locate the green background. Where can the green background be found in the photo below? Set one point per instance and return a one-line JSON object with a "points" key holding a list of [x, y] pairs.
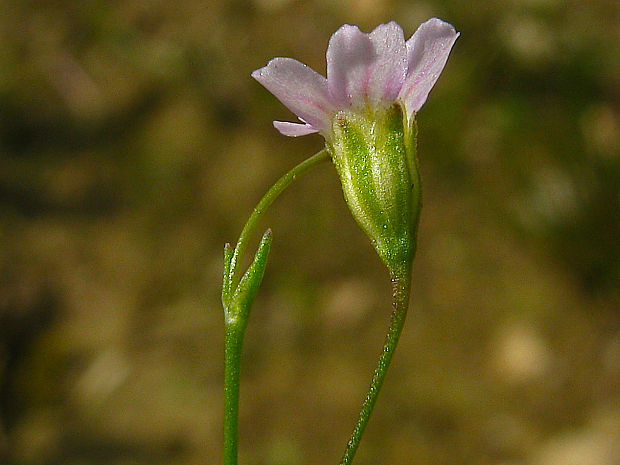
{"points": [[133, 145]]}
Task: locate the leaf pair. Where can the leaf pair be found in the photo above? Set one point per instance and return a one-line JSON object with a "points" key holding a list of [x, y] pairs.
{"points": [[237, 297]]}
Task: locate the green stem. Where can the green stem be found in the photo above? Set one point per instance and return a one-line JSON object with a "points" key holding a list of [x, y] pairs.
{"points": [[235, 327], [232, 351], [401, 285], [265, 202]]}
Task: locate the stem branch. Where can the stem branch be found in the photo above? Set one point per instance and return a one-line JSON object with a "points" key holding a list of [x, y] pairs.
{"points": [[265, 202], [237, 311]]}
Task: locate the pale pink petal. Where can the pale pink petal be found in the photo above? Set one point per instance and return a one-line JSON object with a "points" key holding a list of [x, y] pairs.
{"points": [[294, 129], [389, 68], [299, 88], [427, 52], [366, 68], [349, 56]]}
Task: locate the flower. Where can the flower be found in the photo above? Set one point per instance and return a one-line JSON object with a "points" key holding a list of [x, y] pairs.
{"points": [[364, 72], [365, 109]]}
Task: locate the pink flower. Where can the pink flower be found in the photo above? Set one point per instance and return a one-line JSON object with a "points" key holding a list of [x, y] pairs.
{"points": [[366, 73]]}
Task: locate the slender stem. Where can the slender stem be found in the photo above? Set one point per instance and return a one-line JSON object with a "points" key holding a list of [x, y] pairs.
{"points": [[232, 351], [235, 327], [265, 202], [401, 285]]}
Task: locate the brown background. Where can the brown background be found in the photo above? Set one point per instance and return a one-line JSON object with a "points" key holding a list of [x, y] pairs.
{"points": [[133, 145]]}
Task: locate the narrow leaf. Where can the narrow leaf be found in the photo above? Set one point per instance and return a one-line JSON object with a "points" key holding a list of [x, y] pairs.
{"points": [[250, 282], [227, 278]]}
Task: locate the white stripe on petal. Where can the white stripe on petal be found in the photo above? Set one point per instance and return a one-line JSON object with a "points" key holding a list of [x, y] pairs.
{"points": [[300, 89], [427, 53], [294, 129]]}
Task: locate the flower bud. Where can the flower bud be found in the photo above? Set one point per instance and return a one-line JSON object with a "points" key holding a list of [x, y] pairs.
{"points": [[375, 155]]}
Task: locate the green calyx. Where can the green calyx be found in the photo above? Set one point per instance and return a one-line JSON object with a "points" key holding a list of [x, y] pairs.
{"points": [[375, 155]]}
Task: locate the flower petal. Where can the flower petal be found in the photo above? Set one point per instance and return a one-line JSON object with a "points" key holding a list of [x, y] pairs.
{"points": [[427, 53], [366, 68], [299, 88], [349, 55], [294, 129], [389, 69]]}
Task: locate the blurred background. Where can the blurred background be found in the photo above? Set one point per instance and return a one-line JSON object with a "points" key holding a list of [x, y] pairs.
{"points": [[133, 145]]}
